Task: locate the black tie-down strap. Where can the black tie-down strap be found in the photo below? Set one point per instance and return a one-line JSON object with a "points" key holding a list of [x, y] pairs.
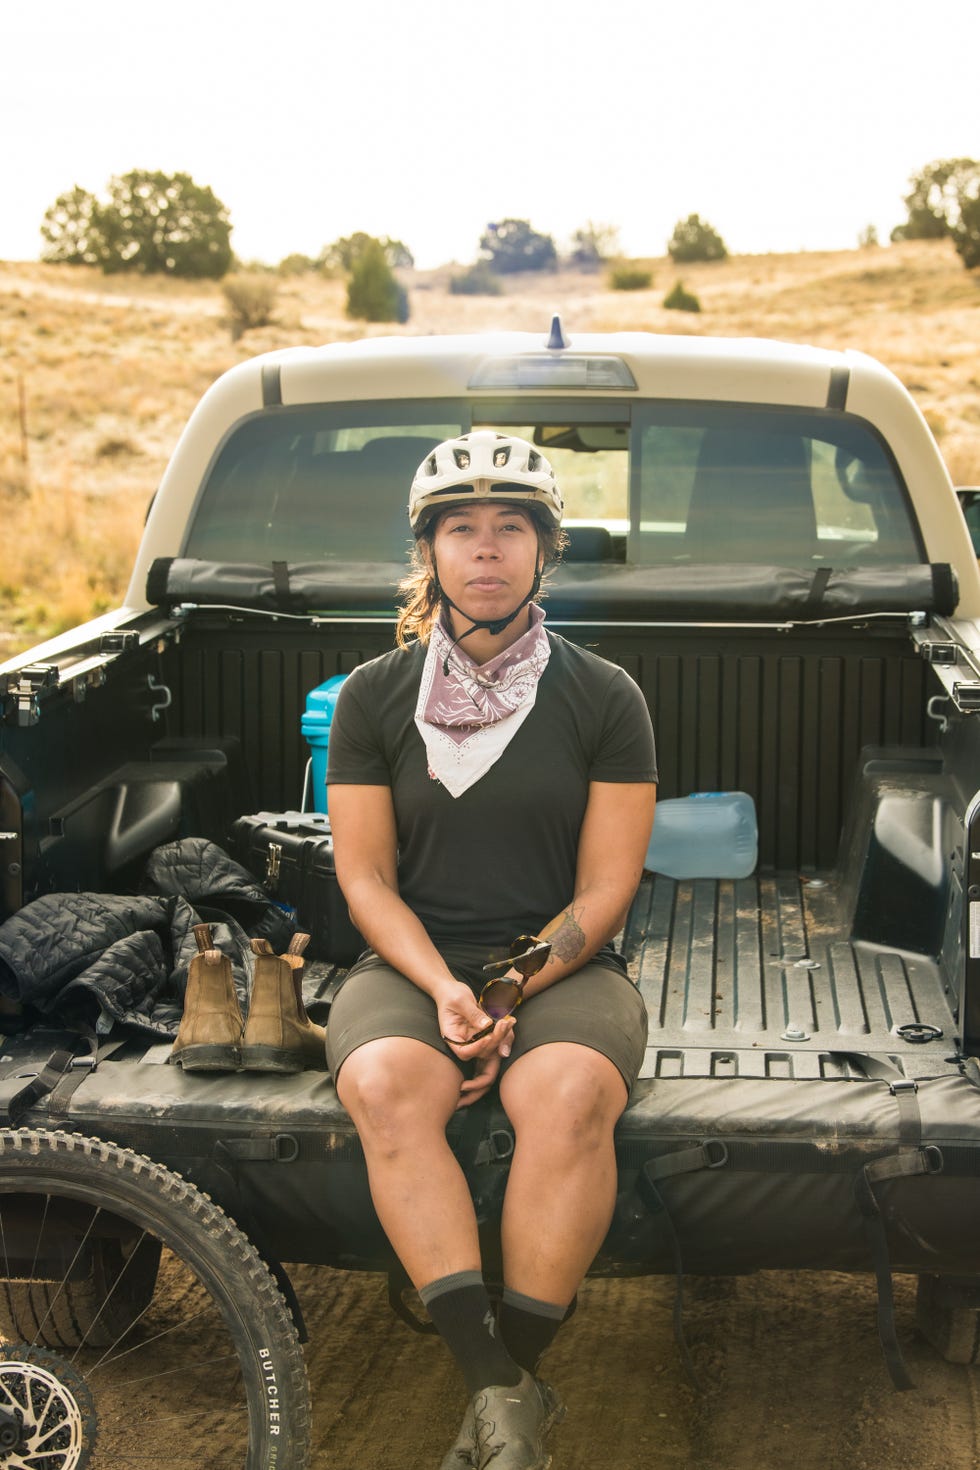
{"points": [[24, 1084], [277, 1148], [711, 1154], [21, 1087], [912, 1158]]}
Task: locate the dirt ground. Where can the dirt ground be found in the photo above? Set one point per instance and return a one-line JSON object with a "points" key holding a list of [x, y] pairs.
{"points": [[791, 1369]]}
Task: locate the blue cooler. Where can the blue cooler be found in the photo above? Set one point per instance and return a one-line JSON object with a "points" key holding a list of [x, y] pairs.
{"points": [[315, 725], [711, 834]]}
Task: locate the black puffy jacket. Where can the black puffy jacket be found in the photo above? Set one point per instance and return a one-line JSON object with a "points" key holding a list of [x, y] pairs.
{"points": [[103, 958]]}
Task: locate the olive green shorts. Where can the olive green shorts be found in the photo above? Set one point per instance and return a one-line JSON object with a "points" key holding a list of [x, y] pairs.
{"points": [[598, 1007]]}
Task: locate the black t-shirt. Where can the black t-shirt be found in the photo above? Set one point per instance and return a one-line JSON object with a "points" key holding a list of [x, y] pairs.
{"points": [[500, 859]]}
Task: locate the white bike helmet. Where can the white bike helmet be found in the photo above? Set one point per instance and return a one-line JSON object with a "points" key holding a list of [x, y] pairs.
{"points": [[483, 465]]}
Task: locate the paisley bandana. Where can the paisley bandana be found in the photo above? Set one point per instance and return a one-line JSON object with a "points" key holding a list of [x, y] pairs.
{"points": [[468, 713]]}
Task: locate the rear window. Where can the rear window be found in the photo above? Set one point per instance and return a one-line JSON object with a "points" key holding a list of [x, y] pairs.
{"points": [[720, 484], [648, 483], [317, 484]]}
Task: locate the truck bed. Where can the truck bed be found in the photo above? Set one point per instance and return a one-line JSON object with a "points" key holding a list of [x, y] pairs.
{"points": [[758, 978]]}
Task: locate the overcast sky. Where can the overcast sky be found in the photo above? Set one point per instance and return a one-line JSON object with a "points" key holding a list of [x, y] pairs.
{"points": [[786, 125]]}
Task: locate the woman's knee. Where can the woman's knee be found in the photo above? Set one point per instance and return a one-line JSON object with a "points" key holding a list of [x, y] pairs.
{"points": [[393, 1086], [567, 1092]]}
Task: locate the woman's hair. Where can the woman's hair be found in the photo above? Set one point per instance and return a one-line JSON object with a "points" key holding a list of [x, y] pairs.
{"points": [[421, 596]]}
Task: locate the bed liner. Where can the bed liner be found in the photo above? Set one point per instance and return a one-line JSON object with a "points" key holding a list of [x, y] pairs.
{"points": [[758, 978]]}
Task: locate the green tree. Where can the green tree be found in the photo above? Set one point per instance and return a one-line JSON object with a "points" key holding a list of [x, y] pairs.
{"points": [[934, 200], [695, 239], [373, 293], [966, 231], [511, 245], [593, 245], [151, 222], [344, 253], [160, 223], [70, 229]]}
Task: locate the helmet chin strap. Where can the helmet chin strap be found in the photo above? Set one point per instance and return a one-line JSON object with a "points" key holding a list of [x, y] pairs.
{"points": [[491, 625]]}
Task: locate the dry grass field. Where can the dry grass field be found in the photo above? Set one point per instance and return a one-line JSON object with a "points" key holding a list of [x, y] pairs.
{"points": [[98, 375]]}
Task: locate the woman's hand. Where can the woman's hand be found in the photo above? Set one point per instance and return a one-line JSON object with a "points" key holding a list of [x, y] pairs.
{"points": [[486, 1070], [460, 1017]]}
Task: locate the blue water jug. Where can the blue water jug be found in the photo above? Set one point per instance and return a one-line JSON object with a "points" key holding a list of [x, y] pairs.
{"points": [[315, 725], [710, 834]]}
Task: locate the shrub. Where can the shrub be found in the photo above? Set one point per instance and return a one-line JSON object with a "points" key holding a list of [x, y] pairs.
{"points": [[630, 278], [116, 446], [297, 265], [373, 294], [695, 239], [678, 299], [478, 280], [251, 302]]}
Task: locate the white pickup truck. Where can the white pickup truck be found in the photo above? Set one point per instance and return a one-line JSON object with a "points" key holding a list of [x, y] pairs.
{"points": [[766, 538]]}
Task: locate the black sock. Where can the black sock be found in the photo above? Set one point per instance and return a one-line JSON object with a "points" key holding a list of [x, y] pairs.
{"points": [[528, 1326], [462, 1312]]}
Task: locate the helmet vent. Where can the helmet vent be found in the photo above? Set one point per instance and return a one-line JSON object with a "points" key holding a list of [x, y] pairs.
{"points": [[500, 458], [462, 458]]}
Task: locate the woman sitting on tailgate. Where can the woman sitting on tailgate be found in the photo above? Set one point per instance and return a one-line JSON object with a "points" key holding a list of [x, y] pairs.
{"points": [[491, 807]]}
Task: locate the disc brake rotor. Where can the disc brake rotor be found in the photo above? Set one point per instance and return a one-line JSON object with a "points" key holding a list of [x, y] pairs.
{"points": [[47, 1417]]}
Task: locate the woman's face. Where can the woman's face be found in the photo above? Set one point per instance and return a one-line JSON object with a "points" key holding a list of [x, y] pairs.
{"points": [[486, 556]]}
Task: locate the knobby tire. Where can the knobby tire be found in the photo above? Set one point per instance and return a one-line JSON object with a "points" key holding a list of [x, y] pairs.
{"points": [[207, 1369]]}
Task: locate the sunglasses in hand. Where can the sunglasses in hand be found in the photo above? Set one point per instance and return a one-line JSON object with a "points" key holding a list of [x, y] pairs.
{"points": [[499, 997]]}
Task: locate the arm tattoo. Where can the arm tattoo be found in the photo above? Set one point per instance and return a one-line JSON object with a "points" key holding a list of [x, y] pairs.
{"points": [[568, 940]]}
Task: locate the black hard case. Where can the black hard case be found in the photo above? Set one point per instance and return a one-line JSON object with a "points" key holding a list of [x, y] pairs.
{"points": [[291, 855]]}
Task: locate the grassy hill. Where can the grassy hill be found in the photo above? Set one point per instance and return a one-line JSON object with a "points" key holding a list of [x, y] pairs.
{"points": [[98, 375]]}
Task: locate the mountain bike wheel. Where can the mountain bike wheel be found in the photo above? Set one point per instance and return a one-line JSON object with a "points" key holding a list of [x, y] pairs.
{"points": [[111, 1284], [150, 1332]]}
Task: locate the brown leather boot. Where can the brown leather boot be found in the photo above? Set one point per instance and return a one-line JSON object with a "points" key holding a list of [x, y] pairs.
{"points": [[279, 1035], [210, 1034]]}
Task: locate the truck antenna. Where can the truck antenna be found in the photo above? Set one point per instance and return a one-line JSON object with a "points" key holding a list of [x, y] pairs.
{"points": [[557, 337]]}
